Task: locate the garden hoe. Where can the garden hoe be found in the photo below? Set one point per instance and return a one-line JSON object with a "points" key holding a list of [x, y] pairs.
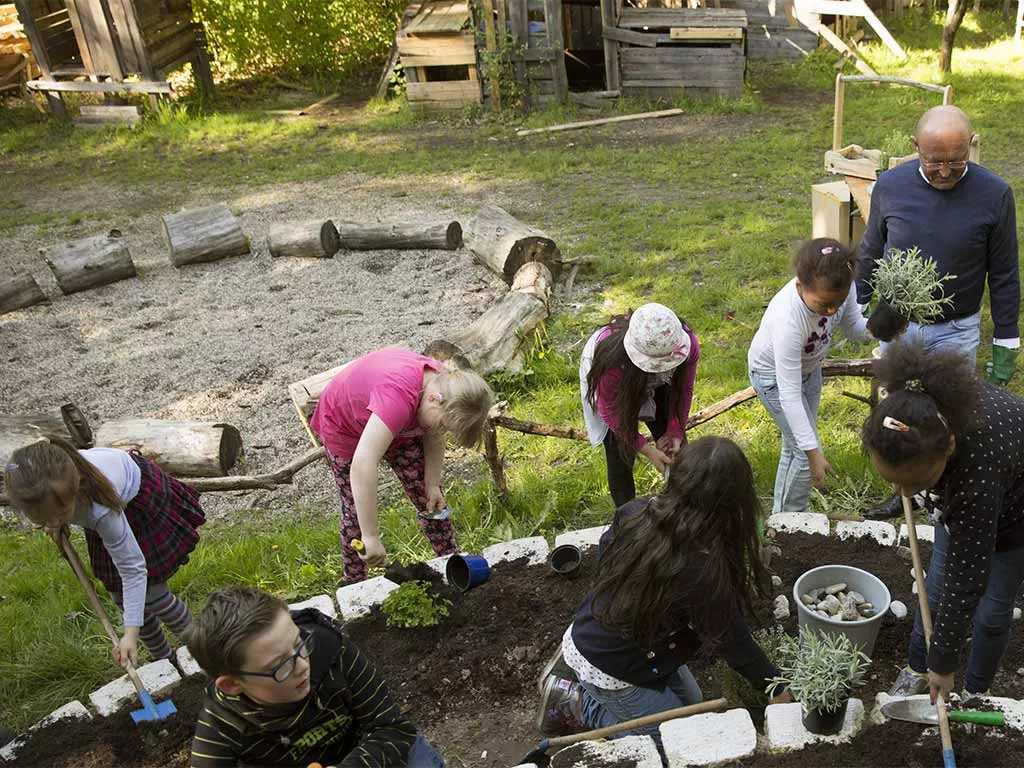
{"points": [[540, 757], [150, 709], [948, 757]]}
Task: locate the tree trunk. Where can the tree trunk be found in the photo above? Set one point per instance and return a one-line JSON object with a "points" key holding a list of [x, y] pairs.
{"points": [[444, 236], [21, 429], [181, 448], [503, 243], [19, 291], [314, 238], [496, 339], [954, 17], [204, 234], [91, 262]]}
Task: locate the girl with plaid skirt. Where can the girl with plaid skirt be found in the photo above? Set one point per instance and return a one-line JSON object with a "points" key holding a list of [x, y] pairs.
{"points": [[396, 405], [140, 526]]}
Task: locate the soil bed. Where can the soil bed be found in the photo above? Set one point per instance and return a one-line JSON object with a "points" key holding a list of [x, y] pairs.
{"points": [[470, 683]]}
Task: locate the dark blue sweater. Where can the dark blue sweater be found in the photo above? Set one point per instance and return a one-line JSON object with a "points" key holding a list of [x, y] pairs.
{"points": [[970, 231], [649, 667]]}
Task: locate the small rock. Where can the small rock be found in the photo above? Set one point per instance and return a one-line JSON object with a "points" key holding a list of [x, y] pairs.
{"points": [[867, 614], [465, 674], [776, 582], [913, 588], [924, 574], [823, 614], [857, 597], [835, 589], [1016, 614], [905, 554], [848, 612], [808, 600], [1020, 671], [898, 609], [781, 608], [830, 605]]}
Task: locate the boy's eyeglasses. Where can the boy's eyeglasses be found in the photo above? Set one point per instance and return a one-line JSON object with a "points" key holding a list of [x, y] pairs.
{"points": [[284, 670], [953, 165]]}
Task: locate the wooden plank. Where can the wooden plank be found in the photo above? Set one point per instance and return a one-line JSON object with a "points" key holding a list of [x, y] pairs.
{"points": [[553, 17], [706, 33], [442, 60], [836, 42], [93, 32], [466, 91], [880, 29], [518, 28], [84, 86], [419, 46], [630, 37], [24, 8], [132, 46], [492, 49], [601, 121], [666, 18], [439, 17]]}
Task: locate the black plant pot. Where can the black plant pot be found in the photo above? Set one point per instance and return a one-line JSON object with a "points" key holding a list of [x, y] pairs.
{"points": [[885, 322], [825, 722]]}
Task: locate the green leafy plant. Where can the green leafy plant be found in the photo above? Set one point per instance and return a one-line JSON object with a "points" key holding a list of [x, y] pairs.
{"points": [[735, 687], [412, 605], [821, 669], [897, 144], [910, 283]]}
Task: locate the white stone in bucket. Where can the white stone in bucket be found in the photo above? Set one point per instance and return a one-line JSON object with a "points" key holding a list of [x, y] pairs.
{"points": [[73, 710], [799, 522], [883, 533], [158, 677], [862, 632], [357, 599], [587, 537], [535, 549], [785, 731], [642, 749], [322, 603], [709, 739]]}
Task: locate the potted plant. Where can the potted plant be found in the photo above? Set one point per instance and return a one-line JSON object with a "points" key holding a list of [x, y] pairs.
{"points": [[821, 671], [909, 288]]}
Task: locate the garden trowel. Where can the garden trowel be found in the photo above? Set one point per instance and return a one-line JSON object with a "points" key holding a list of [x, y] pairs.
{"points": [[921, 710]]}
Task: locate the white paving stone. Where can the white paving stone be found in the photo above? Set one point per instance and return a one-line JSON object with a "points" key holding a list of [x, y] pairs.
{"points": [[322, 603], [439, 564], [1013, 709], [73, 710], [924, 533], [883, 533], [188, 664], [799, 522], [785, 730], [709, 739], [535, 549], [642, 749], [586, 537], [158, 677], [357, 599]]}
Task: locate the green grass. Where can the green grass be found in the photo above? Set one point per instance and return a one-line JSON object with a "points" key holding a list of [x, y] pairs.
{"points": [[705, 221]]}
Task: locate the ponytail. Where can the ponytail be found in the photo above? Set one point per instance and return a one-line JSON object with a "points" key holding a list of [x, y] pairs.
{"points": [[931, 396]]}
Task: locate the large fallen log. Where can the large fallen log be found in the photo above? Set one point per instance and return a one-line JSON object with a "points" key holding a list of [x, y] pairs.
{"points": [[445, 236], [502, 243], [180, 448], [21, 429], [204, 234], [495, 340], [268, 482], [18, 291], [314, 238], [90, 262]]}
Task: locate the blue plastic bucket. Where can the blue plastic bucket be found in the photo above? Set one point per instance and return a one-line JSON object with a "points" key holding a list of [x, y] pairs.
{"points": [[467, 571]]}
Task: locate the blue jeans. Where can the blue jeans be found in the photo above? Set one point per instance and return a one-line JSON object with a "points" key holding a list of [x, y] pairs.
{"points": [[992, 618], [422, 755], [793, 478], [602, 707], [963, 335]]}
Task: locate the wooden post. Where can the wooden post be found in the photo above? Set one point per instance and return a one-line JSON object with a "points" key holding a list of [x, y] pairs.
{"points": [[518, 29], [493, 456], [556, 41], [201, 63], [204, 234], [1017, 39], [837, 115], [502, 243], [611, 48], [492, 50]]}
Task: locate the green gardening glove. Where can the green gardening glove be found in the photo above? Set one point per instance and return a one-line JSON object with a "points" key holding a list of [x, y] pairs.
{"points": [[1002, 366]]}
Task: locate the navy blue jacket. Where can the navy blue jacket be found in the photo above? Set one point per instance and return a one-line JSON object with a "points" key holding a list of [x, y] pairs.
{"points": [[648, 667], [970, 231]]}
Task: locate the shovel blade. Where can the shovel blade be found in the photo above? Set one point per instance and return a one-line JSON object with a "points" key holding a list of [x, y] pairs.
{"points": [[152, 711], [913, 709]]}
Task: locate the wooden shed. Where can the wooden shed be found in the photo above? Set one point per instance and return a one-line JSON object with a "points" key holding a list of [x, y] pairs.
{"points": [[438, 53], [94, 46]]}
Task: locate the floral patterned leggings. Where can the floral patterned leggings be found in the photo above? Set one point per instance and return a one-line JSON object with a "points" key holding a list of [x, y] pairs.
{"points": [[406, 458]]}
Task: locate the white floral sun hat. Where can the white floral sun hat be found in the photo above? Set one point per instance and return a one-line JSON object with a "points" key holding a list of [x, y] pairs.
{"points": [[655, 340]]}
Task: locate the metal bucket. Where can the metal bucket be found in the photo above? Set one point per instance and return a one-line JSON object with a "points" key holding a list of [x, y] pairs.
{"points": [[862, 632]]}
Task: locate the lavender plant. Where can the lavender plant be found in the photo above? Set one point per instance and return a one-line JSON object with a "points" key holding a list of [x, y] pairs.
{"points": [[821, 669], [911, 285]]}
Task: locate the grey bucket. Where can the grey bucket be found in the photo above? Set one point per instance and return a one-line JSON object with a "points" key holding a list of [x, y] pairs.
{"points": [[863, 632]]}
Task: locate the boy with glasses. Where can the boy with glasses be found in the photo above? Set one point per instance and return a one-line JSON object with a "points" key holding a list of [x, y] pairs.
{"points": [[290, 689]]}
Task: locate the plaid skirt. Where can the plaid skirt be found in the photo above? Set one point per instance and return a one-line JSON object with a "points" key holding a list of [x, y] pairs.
{"points": [[163, 516]]}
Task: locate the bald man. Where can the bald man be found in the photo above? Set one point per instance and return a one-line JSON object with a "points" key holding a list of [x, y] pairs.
{"points": [[962, 216]]}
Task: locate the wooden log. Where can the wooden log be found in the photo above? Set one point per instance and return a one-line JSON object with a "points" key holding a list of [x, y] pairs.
{"points": [[314, 238], [18, 291], [269, 481], [21, 429], [495, 340], [204, 234], [306, 393], [181, 448], [501, 242], [90, 262], [445, 236]]}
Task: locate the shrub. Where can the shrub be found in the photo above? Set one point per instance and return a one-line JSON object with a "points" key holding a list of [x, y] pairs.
{"points": [[412, 605], [911, 285], [821, 669]]}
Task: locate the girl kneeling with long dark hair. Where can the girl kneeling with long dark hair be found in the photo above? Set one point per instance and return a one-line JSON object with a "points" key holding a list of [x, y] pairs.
{"points": [[676, 571]]}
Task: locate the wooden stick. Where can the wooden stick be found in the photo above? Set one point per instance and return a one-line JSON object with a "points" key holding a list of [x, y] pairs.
{"points": [[601, 121], [493, 456], [269, 481], [926, 622], [660, 717], [837, 115]]}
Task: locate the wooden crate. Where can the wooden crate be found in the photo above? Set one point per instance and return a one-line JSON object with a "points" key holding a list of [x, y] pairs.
{"points": [[438, 53]]}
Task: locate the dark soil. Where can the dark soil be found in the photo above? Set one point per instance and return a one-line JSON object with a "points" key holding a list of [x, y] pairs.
{"points": [[470, 683]]}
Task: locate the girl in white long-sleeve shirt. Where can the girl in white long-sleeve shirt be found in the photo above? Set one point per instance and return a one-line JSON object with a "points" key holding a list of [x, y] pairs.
{"points": [[785, 360], [140, 526]]}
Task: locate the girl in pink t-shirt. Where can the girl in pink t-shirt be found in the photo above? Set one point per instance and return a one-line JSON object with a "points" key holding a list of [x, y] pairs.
{"points": [[396, 405]]}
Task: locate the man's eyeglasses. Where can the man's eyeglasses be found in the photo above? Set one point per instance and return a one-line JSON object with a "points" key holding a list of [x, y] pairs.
{"points": [[284, 670], [953, 165]]}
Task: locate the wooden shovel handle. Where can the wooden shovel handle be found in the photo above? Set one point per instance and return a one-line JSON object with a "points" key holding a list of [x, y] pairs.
{"points": [[94, 601], [660, 717]]}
